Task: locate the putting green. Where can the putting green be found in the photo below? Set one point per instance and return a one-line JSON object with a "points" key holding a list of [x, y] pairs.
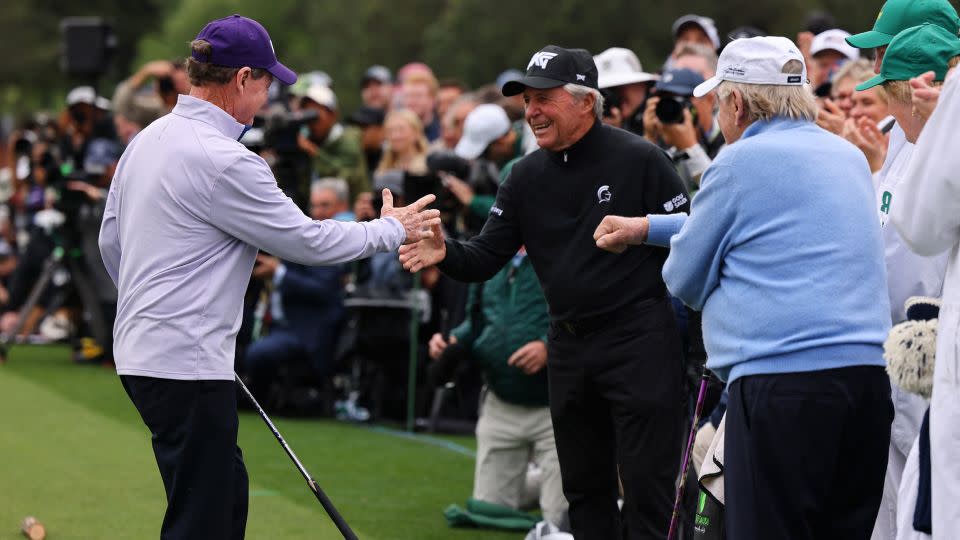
{"points": [[74, 453]]}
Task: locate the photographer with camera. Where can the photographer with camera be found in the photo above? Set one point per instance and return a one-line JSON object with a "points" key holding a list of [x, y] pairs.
{"points": [[683, 124], [169, 81], [336, 150], [487, 145], [622, 77]]}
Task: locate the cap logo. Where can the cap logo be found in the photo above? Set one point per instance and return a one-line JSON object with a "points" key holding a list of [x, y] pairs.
{"points": [[581, 77], [540, 59], [734, 71], [794, 79], [879, 14], [271, 47]]}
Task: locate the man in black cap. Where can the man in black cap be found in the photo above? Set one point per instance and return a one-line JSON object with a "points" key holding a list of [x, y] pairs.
{"points": [[614, 350], [376, 88]]}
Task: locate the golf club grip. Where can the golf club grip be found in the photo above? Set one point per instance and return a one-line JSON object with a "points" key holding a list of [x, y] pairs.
{"points": [[327, 504], [325, 501]]}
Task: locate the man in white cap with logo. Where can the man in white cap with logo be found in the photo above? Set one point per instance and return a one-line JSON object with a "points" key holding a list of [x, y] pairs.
{"points": [[829, 51], [620, 72], [615, 367], [188, 209], [784, 256], [488, 143], [337, 150]]}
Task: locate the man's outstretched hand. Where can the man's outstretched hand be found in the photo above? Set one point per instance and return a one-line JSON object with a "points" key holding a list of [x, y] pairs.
{"points": [[615, 233], [417, 222], [425, 253]]}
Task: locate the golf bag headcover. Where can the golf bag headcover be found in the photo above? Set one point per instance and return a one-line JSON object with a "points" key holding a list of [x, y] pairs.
{"points": [[910, 349]]}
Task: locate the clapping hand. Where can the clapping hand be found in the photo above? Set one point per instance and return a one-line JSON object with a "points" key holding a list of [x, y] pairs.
{"points": [[419, 224], [866, 136], [925, 95]]}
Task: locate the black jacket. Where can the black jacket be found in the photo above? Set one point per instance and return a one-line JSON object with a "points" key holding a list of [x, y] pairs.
{"points": [[552, 202]]}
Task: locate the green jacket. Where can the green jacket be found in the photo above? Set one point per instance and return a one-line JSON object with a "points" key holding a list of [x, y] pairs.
{"points": [[341, 156], [513, 312]]}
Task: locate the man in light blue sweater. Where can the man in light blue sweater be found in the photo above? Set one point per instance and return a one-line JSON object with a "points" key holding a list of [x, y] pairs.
{"points": [[783, 253]]}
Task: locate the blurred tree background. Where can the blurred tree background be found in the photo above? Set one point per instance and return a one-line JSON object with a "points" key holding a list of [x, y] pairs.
{"points": [[472, 40]]}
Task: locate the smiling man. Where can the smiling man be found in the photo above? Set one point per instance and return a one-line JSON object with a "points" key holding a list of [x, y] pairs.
{"points": [[614, 364], [188, 209]]}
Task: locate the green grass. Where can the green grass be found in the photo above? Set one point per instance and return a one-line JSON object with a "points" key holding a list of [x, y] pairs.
{"points": [[75, 454]]}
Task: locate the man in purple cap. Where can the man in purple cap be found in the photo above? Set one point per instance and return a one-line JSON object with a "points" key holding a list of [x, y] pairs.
{"points": [[188, 209]]}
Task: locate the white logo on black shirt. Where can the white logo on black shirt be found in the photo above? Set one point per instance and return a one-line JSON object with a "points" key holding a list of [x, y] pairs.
{"points": [[604, 194], [675, 202], [495, 210]]}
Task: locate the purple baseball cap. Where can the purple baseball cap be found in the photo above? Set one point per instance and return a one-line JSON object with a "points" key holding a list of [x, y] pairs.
{"points": [[241, 42]]}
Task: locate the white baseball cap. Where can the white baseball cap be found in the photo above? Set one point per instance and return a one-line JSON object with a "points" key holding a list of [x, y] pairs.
{"points": [[834, 40], [757, 60], [618, 66], [82, 94], [322, 95], [482, 126], [705, 23]]}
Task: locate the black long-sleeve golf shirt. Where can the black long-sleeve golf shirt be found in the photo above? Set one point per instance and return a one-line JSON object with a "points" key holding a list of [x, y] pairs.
{"points": [[552, 203]]}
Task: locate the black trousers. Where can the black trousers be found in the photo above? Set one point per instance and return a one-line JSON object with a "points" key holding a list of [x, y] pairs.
{"points": [[616, 399], [194, 431], [806, 454]]}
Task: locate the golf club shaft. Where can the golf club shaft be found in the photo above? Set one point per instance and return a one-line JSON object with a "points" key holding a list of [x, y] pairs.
{"points": [[675, 518], [325, 501]]}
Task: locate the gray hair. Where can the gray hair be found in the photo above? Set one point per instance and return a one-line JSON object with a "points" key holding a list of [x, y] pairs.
{"points": [[337, 185], [765, 101], [579, 92]]}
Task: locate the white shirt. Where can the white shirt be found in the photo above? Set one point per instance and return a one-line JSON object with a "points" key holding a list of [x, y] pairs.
{"points": [[928, 217], [908, 274], [187, 210]]}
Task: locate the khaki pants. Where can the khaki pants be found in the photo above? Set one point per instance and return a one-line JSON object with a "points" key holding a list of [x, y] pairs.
{"points": [[508, 438]]}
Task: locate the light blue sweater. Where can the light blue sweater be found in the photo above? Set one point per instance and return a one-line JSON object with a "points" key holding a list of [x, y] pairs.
{"points": [[782, 252]]}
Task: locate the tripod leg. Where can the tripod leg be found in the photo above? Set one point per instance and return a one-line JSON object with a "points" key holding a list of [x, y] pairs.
{"points": [[91, 303], [38, 288]]}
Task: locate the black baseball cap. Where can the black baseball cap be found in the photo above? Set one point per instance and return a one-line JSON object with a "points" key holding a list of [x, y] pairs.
{"points": [[554, 66]]}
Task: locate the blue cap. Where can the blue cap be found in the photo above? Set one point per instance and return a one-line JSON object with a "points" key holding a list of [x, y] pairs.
{"points": [[679, 81], [241, 42]]}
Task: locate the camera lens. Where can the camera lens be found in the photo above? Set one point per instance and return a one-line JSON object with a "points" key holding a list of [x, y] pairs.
{"points": [[670, 109]]}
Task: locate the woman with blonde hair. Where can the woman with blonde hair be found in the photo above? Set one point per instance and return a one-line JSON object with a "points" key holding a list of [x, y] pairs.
{"points": [[406, 145], [868, 116]]}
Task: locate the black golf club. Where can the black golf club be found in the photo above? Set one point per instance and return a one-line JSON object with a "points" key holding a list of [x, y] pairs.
{"points": [[325, 501]]}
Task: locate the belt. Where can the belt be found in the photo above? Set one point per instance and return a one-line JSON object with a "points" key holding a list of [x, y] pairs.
{"points": [[588, 325]]}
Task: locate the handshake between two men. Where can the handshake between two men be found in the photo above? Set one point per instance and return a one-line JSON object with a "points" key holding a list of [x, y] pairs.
{"points": [[614, 234], [419, 223]]}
